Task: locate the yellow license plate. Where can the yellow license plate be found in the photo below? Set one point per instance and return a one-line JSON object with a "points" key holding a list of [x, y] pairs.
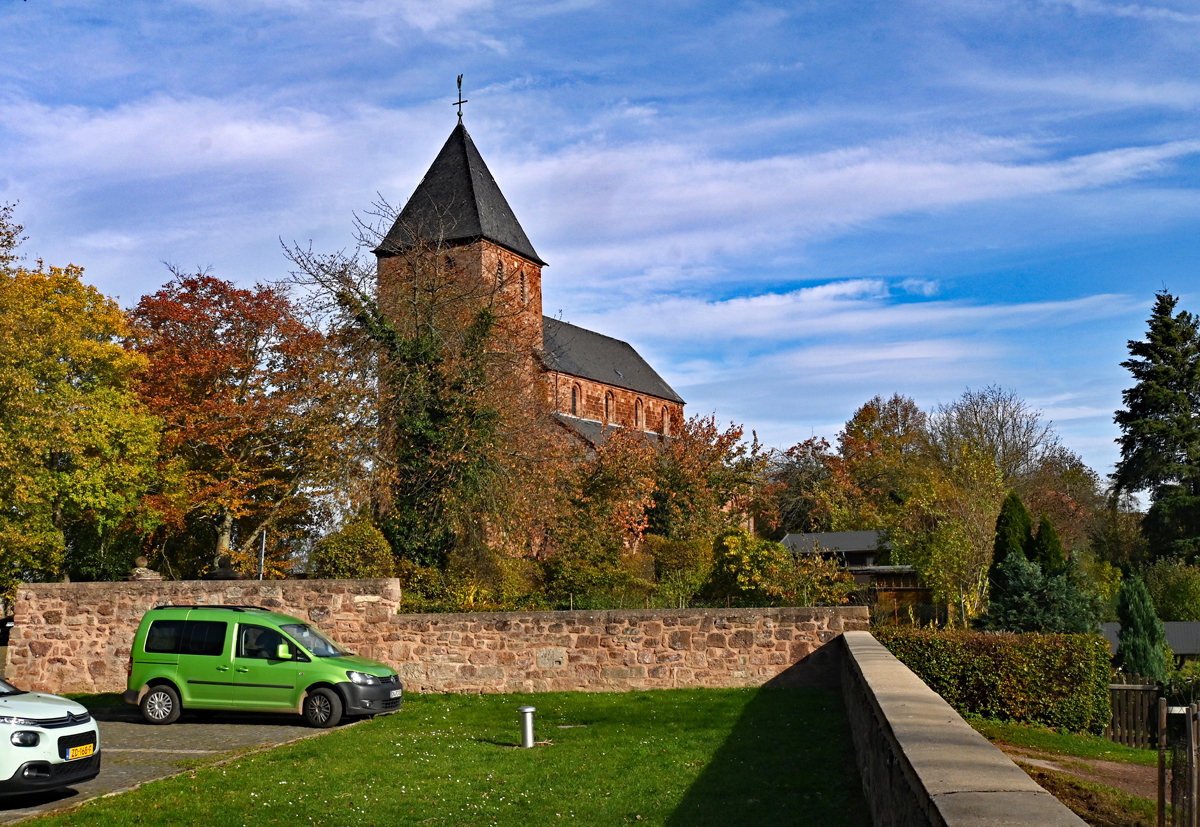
{"points": [[80, 752]]}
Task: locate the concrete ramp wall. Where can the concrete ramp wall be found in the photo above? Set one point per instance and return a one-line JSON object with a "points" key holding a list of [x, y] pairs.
{"points": [[924, 766]]}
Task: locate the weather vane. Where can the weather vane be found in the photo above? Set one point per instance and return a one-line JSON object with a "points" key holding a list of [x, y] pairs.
{"points": [[460, 101]]}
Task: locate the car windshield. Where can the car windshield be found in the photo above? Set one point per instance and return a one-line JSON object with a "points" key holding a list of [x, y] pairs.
{"points": [[9, 689], [314, 641]]}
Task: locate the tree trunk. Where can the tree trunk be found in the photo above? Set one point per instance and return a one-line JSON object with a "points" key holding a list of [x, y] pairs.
{"points": [[224, 533]]}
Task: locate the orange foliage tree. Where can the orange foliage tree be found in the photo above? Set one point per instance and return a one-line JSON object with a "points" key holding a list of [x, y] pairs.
{"points": [[261, 418]]}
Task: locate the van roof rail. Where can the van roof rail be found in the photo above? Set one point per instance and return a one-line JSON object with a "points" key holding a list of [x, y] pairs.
{"points": [[211, 606]]}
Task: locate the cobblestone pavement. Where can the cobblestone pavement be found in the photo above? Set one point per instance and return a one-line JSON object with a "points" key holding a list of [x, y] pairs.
{"points": [[135, 752]]}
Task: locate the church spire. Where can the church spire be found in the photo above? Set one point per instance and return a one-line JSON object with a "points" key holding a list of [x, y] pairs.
{"points": [[457, 202]]}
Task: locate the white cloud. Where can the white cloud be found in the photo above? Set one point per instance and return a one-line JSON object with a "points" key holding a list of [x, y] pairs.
{"points": [[1134, 10]]}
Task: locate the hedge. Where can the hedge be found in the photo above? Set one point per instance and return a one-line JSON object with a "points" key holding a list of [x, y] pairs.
{"points": [[1050, 680]]}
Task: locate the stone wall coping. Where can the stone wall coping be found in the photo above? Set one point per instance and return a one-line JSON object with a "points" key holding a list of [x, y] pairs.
{"points": [[127, 586], [594, 615], [957, 774]]}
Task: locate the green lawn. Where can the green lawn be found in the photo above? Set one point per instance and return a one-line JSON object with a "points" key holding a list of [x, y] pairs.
{"points": [[680, 758], [1062, 743]]}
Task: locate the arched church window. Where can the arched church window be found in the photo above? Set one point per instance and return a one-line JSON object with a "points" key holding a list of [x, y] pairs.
{"points": [[608, 407], [637, 414], [574, 400], [666, 421]]}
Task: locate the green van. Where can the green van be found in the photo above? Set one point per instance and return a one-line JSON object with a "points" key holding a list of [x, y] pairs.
{"points": [[253, 659]]}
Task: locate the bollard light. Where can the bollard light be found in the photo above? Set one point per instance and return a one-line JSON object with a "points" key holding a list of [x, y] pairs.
{"points": [[527, 726]]}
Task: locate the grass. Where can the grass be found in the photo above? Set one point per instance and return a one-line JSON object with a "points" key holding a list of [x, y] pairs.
{"points": [[104, 700], [1061, 743], [676, 758]]}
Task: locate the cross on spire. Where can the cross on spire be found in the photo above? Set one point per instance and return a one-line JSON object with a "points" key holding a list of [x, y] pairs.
{"points": [[460, 100]]}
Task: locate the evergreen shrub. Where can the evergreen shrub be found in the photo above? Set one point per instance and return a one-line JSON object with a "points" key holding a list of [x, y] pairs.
{"points": [[1057, 681], [357, 549]]}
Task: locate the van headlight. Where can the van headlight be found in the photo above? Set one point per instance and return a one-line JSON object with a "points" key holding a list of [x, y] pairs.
{"points": [[363, 679], [25, 739], [7, 719]]}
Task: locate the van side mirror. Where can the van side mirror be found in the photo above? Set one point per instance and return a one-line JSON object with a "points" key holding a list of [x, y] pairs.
{"points": [[284, 652]]}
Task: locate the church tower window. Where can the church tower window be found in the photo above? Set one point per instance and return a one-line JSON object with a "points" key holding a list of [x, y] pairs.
{"points": [[524, 296]]}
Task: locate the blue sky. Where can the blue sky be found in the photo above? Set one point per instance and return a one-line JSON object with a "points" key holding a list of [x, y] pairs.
{"points": [[787, 208]]}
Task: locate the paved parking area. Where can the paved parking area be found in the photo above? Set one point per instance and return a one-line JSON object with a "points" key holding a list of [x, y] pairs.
{"points": [[135, 752]]}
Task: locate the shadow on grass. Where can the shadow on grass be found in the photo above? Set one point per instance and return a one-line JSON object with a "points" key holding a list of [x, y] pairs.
{"points": [[788, 760]]}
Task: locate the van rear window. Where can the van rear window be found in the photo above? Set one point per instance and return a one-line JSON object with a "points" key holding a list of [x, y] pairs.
{"points": [[190, 637]]}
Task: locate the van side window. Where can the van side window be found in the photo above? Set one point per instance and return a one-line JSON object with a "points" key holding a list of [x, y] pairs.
{"points": [[191, 637], [258, 642], [204, 637], [164, 637]]}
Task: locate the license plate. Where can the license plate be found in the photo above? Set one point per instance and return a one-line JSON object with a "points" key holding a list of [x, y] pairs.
{"points": [[396, 693], [80, 752]]}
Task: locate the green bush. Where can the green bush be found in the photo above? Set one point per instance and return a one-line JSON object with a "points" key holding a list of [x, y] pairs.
{"points": [[1049, 680], [357, 549]]}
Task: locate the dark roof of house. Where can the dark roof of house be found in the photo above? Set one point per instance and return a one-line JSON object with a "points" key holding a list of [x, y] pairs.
{"points": [[843, 541], [1182, 636], [595, 432], [458, 201], [590, 355]]}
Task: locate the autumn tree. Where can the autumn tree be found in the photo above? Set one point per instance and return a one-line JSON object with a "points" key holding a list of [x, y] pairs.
{"points": [[76, 447], [705, 480], [947, 528], [261, 417], [999, 423]]}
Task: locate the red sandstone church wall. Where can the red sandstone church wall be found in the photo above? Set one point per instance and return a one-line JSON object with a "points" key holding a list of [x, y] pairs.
{"points": [[480, 260], [625, 403]]}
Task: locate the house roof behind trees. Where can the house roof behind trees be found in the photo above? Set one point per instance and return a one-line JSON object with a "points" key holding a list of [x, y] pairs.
{"points": [[458, 201], [1183, 636], [830, 541], [590, 355]]}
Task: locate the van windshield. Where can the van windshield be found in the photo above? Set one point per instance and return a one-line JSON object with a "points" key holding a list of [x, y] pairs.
{"points": [[9, 689], [312, 640]]}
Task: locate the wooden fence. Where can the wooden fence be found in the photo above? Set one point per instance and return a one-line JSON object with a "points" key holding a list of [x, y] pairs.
{"points": [[1134, 713]]}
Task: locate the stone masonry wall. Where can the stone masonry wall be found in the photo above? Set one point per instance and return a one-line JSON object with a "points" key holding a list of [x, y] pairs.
{"points": [[75, 637]]}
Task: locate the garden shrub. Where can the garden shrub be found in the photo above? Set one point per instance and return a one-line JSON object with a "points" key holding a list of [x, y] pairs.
{"points": [[357, 549], [1049, 680]]}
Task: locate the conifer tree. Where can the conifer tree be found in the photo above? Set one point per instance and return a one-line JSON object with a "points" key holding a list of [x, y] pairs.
{"points": [[1046, 549], [1014, 531], [1142, 633], [1160, 424]]}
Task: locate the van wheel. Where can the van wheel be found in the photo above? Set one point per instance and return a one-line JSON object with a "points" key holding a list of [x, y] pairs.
{"points": [[322, 708], [161, 705]]}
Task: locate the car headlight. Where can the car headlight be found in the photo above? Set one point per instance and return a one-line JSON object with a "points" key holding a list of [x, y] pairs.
{"points": [[363, 679], [7, 719], [25, 739]]}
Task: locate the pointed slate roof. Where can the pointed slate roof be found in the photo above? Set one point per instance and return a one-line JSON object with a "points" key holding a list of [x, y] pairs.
{"points": [[580, 352], [458, 201]]}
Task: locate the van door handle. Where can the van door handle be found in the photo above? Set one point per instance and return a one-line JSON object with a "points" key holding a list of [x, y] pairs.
{"points": [[222, 668], [243, 669]]}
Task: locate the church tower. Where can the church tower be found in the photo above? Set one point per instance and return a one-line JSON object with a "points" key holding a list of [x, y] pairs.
{"points": [[594, 382], [459, 210]]}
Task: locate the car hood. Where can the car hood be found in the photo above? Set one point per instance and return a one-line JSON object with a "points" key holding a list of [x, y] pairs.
{"points": [[358, 663], [38, 705]]}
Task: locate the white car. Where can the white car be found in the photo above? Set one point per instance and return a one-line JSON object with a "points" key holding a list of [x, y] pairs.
{"points": [[46, 742]]}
